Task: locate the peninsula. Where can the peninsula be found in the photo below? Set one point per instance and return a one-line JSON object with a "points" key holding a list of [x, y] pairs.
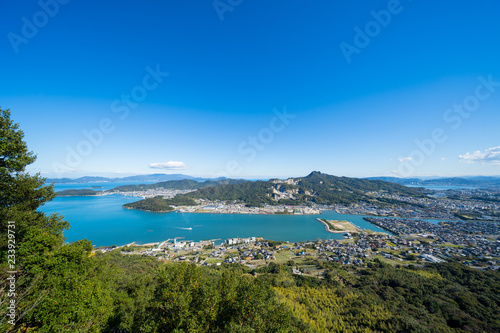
{"points": [[303, 195], [339, 227]]}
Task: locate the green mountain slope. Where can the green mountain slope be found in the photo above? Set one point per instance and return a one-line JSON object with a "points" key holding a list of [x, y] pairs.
{"points": [[317, 188], [77, 192], [158, 204]]}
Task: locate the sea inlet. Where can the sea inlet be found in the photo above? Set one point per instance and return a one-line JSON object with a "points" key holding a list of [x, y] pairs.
{"points": [[102, 220]]}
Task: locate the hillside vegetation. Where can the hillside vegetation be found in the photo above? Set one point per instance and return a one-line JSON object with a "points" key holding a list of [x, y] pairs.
{"points": [[77, 192], [68, 287], [317, 188], [158, 204]]}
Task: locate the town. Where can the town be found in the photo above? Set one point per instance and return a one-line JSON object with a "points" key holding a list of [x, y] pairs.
{"points": [[467, 204], [410, 242]]}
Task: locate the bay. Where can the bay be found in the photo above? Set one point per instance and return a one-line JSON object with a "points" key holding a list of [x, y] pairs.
{"points": [[105, 222], [444, 187], [96, 186]]}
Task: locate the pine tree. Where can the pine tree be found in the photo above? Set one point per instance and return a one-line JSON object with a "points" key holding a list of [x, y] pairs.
{"points": [[58, 287], [22, 194]]}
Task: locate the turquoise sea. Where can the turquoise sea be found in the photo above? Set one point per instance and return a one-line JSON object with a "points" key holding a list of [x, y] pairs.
{"points": [[96, 186], [103, 221]]}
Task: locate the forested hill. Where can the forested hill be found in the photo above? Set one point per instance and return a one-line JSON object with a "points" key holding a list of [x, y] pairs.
{"points": [[78, 192], [157, 204], [185, 184], [72, 287], [317, 187]]}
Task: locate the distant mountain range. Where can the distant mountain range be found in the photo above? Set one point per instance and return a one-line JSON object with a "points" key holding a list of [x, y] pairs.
{"points": [[472, 181], [469, 181], [184, 184], [159, 177], [315, 188]]}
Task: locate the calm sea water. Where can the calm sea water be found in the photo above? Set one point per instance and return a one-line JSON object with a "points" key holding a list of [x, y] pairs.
{"points": [[102, 186], [444, 188], [104, 221]]}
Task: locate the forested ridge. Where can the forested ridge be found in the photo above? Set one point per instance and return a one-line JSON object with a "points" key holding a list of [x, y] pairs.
{"points": [[62, 287], [315, 188], [158, 204], [78, 192]]}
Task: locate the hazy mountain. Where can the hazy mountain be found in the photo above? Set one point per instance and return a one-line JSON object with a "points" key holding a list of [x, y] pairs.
{"points": [[185, 184], [469, 181], [159, 177], [402, 181]]}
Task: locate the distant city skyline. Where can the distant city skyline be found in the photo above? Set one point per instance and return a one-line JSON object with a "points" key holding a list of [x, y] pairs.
{"points": [[255, 89]]}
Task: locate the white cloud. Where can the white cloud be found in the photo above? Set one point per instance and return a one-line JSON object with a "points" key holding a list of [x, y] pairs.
{"points": [[490, 155], [404, 159], [171, 165]]}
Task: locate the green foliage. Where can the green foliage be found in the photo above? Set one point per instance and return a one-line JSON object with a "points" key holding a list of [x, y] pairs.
{"points": [[58, 287], [441, 297], [180, 200], [156, 204], [77, 192], [316, 188], [74, 297], [273, 243], [194, 299], [20, 193], [132, 284], [14, 154], [68, 288], [252, 193]]}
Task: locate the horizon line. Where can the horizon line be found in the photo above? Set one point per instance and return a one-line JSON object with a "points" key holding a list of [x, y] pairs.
{"points": [[249, 177]]}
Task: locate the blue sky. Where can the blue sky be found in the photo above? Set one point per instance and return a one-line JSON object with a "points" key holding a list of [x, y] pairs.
{"points": [[254, 88]]}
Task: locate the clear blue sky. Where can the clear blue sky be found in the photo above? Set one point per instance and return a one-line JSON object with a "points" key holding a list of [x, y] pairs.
{"points": [[358, 101]]}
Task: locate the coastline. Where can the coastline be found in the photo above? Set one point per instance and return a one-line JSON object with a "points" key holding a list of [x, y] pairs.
{"points": [[150, 211], [206, 211], [327, 227]]}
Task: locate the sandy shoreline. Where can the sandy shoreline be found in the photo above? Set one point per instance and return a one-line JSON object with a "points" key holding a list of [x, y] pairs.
{"points": [[345, 229], [327, 227]]}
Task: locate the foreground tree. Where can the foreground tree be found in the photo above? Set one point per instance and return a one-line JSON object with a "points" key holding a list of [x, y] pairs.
{"points": [[57, 286], [20, 193], [65, 288]]}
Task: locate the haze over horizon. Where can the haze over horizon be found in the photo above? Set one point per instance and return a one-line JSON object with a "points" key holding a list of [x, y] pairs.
{"points": [[255, 90], [178, 176]]}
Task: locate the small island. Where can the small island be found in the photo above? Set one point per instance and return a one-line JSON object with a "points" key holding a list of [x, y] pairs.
{"points": [[78, 192], [159, 204]]}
